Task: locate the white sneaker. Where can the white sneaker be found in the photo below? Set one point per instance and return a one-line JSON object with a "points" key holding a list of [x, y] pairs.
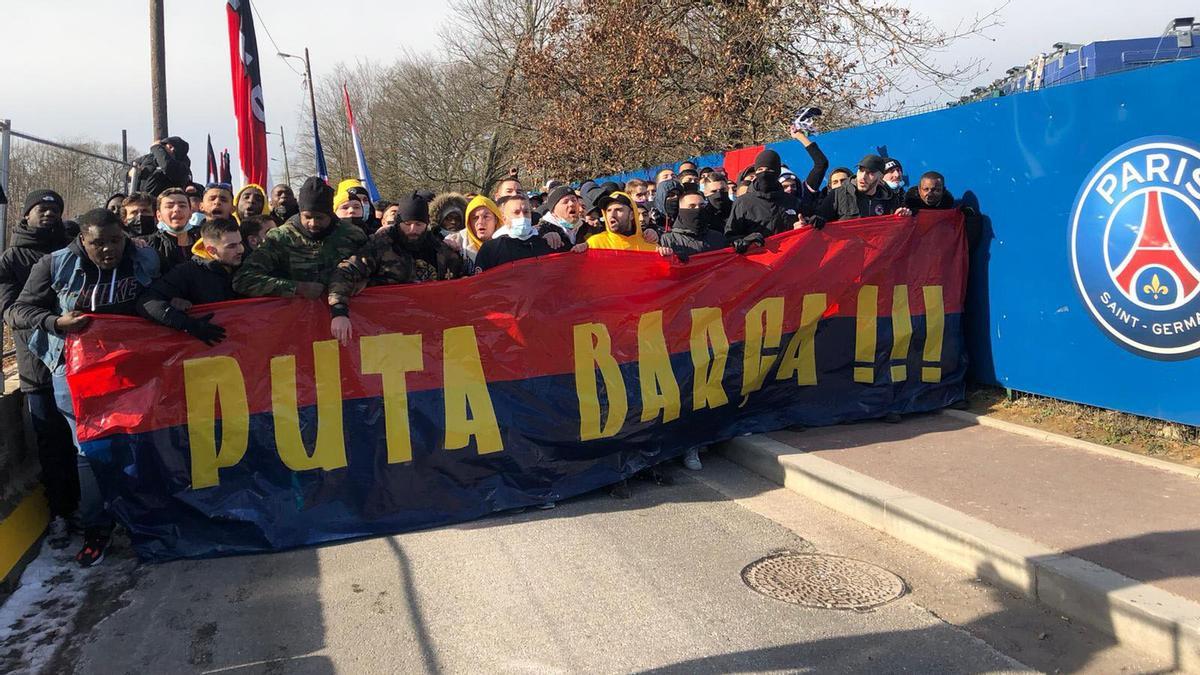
{"points": [[58, 535], [692, 459]]}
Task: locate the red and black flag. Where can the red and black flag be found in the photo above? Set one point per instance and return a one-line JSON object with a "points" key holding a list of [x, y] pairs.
{"points": [[226, 172], [212, 173], [247, 93]]}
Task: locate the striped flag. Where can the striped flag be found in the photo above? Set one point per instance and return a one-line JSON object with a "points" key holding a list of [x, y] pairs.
{"points": [[364, 174]]}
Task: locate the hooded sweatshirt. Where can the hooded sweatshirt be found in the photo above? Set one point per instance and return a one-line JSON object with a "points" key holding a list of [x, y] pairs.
{"points": [[621, 242], [468, 240], [660, 217], [200, 281], [266, 209], [29, 244]]}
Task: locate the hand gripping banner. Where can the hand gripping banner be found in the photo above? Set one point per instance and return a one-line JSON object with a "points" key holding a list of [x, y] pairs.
{"points": [[537, 381]]}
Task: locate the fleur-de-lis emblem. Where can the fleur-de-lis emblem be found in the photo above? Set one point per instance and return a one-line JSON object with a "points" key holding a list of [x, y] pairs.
{"points": [[1155, 287]]}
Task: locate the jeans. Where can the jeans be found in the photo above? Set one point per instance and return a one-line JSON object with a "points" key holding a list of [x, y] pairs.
{"points": [[92, 511], [56, 453]]}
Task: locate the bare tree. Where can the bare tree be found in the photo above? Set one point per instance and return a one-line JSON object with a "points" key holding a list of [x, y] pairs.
{"points": [[84, 182], [690, 76]]}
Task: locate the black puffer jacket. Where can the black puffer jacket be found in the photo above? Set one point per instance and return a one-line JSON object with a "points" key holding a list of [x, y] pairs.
{"points": [[28, 246], [198, 281], [170, 253], [765, 209], [689, 236]]}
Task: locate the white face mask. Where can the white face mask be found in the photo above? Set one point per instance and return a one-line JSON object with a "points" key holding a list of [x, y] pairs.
{"points": [[521, 228]]}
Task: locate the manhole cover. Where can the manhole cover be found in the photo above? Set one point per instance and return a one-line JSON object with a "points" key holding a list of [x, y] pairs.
{"points": [[824, 581]]}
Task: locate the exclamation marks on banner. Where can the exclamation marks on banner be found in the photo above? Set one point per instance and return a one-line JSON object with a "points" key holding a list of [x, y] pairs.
{"points": [[935, 326], [901, 332], [865, 334]]}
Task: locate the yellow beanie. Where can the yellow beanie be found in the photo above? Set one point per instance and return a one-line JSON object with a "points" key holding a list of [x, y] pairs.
{"points": [[343, 191]]}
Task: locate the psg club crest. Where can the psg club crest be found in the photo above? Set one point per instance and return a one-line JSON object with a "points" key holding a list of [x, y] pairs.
{"points": [[1135, 246]]}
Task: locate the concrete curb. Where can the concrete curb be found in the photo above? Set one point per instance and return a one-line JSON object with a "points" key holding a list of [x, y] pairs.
{"points": [[1138, 614], [1050, 437]]}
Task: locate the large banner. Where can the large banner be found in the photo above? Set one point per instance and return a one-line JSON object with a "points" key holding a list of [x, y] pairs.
{"points": [[537, 381]]}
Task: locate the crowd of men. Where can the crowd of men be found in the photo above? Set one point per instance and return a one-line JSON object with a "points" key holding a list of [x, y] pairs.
{"points": [[159, 252]]}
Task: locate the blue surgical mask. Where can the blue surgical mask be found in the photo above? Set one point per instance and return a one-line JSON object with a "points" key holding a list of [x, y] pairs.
{"points": [[521, 228], [895, 185]]}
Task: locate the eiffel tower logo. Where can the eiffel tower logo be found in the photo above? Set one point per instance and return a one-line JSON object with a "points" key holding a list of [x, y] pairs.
{"points": [[1155, 247]]}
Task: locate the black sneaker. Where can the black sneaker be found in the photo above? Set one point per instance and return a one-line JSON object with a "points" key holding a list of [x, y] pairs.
{"points": [[620, 490], [892, 418], [94, 546]]}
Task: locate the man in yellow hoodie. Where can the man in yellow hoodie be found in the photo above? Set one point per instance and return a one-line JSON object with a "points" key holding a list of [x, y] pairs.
{"points": [[622, 225], [251, 200]]}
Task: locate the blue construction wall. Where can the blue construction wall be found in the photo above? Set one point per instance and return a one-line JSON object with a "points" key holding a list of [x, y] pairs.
{"points": [[1022, 160]]}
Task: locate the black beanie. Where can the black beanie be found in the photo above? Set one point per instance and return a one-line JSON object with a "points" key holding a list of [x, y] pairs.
{"points": [[556, 196], [769, 160], [316, 196], [412, 207], [42, 197]]}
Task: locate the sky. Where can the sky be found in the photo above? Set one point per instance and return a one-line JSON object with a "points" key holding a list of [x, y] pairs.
{"points": [[80, 69]]}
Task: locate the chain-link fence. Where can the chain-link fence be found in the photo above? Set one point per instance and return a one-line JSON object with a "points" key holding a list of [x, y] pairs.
{"points": [[85, 173]]}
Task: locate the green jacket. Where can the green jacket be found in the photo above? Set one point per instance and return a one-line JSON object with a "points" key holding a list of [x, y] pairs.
{"points": [[289, 255], [386, 260]]}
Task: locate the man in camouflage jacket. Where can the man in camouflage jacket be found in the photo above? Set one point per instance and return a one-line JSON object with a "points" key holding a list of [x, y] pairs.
{"points": [[299, 257], [404, 253]]}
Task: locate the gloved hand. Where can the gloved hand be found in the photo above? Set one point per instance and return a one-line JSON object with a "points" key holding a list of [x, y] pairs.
{"points": [[817, 222], [743, 245], [202, 328]]}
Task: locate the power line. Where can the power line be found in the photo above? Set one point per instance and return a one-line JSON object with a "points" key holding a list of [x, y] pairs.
{"points": [[272, 39]]}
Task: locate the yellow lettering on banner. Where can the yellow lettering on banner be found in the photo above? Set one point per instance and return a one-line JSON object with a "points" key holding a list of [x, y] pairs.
{"points": [[391, 356], [755, 363], [593, 350], [464, 387], [330, 448], [865, 334], [800, 357], [901, 332], [935, 326], [660, 389], [207, 381], [709, 369]]}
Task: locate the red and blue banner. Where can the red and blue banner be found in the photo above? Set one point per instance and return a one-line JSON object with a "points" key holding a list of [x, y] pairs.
{"points": [[537, 381]]}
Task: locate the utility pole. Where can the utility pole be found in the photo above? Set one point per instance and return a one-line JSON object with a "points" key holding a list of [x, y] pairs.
{"points": [[5, 151], [287, 175], [158, 70], [312, 101], [125, 156]]}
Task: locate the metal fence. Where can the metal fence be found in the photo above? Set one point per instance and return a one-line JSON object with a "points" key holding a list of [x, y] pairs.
{"points": [[85, 173]]}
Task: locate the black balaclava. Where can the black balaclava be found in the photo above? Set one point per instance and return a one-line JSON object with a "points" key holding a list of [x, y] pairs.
{"points": [[689, 221]]}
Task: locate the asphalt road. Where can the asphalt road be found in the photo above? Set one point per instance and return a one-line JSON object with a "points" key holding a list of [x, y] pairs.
{"points": [[598, 585]]}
